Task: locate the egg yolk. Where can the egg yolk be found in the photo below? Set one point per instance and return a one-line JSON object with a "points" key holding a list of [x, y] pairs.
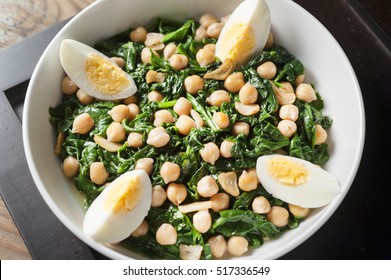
{"points": [[287, 172], [124, 196], [238, 43], [105, 76]]}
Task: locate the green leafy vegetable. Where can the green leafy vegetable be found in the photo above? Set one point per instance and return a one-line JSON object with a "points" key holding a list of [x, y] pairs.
{"points": [[290, 71], [243, 222], [277, 54], [180, 34]]}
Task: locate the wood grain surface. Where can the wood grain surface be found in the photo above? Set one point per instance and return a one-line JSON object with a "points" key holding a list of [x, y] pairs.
{"points": [[20, 19], [12, 246]]}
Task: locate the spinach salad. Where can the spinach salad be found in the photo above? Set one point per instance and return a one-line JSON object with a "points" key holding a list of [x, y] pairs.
{"points": [[247, 134]]}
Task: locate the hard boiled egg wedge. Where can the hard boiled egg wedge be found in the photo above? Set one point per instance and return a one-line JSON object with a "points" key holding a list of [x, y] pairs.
{"points": [[120, 208], [245, 32], [94, 72], [296, 181]]}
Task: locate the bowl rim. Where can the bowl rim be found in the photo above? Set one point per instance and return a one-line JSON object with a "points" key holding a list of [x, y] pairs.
{"points": [[288, 246]]}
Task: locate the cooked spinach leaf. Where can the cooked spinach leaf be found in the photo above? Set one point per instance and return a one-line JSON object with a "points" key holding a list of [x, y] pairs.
{"points": [[243, 222]]}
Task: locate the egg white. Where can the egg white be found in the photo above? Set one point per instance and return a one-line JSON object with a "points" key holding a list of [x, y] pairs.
{"points": [[73, 57], [106, 226], [254, 13], [319, 190]]}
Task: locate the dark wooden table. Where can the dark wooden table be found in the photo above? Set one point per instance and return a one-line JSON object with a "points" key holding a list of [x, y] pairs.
{"points": [[361, 227]]}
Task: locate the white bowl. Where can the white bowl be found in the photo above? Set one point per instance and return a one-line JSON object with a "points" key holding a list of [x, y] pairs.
{"points": [[326, 67]]}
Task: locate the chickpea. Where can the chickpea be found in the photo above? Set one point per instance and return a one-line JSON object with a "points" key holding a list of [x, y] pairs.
{"points": [[205, 57], [169, 50], [193, 84], [247, 110], [299, 79], [134, 110], [119, 61], [214, 29], [98, 173], [220, 202], [130, 100], [70, 166], [154, 41], [298, 211], [261, 205], [166, 235], [135, 140], [160, 77], [68, 87], [218, 245], [225, 148], [202, 221], [200, 34], [206, 20], [278, 216], [159, 196], [287, 128], [185, 124], [158, 137], [84, 98], [240, 127], [182, 106], [270, 41], [221, 119], [176, 193], [163, 116], [170, 172], [210, 47], [150, 77], [320, 134], [289, 112], [155, 96], [83, 124], [178, 61], [283, 98], [218, 97], [234, 82], [207, 186], [237, 245], [145, 164], [267, 70], [139, 35], [248, 181], [254, 171], [119, 113], [286, 87], [305, 92], [141, 230], [116, 132], [248, 94], [146, 55], [210, 153]]}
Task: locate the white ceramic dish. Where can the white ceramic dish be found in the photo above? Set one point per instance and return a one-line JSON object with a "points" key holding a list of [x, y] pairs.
{"points": [[326, 67]]}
